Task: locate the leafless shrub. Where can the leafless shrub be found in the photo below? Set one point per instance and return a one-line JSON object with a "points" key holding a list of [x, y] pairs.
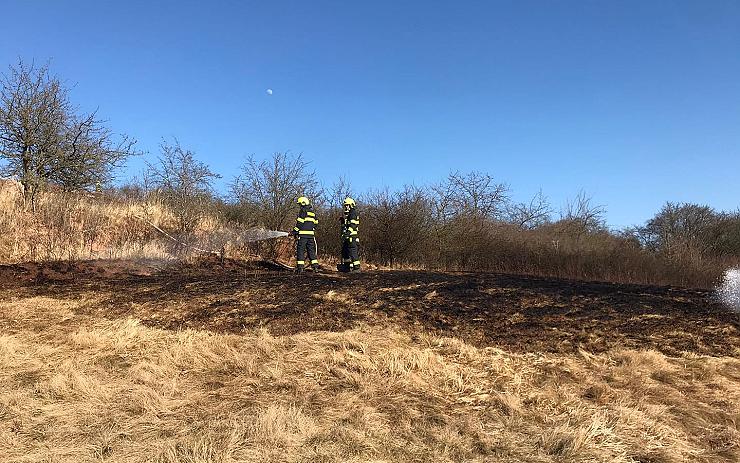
{"points": [[397, 226], [680, 231], [581, 216], [267, 190], [184, 183], [535, 213], [474, 194]]}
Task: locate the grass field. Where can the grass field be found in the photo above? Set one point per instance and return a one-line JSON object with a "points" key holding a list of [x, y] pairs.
{"points": [[119, 362]]}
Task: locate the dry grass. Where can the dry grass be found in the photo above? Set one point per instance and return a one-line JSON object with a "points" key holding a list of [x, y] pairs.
{"points": [[70, 226], [75, 388]]}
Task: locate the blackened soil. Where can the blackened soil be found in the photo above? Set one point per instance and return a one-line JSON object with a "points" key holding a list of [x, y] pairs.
{"points": [[515, 313]]}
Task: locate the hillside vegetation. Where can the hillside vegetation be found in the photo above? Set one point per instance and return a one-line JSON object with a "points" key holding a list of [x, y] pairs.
{"points": [[145, 224], [83, 226]]}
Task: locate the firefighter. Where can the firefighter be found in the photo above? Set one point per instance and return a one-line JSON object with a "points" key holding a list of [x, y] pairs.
{"points": [[304, 229], [350, 238]]}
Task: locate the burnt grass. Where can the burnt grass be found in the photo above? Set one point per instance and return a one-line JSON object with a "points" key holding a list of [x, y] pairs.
{"points": [[514, 313]]}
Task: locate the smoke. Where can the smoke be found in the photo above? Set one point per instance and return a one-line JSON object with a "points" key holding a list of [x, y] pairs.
{"points": [[729, 289]]}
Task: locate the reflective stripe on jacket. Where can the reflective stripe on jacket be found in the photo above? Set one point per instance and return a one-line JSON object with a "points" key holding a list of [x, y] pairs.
{"points": [[305, 223]]}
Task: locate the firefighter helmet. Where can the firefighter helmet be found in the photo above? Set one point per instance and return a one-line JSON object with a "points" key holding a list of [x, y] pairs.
{"points": [[349, 202], [303, 201]]}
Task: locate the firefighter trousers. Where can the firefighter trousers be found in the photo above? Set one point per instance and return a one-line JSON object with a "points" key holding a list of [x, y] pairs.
{"points": [[306, 244], [351, 253]]}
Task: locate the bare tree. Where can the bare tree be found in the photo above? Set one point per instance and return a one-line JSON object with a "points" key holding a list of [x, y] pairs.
{"points": [[90, 153], [727, 234], [530, 215], [185, 184], [472, 194], [679, 229], [268, 189], [44, 140], [339, 190], [583, 215]]}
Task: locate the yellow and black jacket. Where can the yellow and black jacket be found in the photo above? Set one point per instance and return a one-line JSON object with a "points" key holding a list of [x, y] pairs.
{"points": [[305, 223], [351, 225]]}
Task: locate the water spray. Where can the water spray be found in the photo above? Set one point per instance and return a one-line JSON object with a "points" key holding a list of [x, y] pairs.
{"points": [[729, 289], [261, 234], [249, 236]]}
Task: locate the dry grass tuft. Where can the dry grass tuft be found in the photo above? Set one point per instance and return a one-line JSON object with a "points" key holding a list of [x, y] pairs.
{"points": [[334, 296]]}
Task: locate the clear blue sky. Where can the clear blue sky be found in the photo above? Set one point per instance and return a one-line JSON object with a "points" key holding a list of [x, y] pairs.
{"points": [[636, 102]]}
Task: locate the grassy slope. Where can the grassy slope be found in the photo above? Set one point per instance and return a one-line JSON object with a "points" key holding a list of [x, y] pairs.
{"points": [[74, 387]]}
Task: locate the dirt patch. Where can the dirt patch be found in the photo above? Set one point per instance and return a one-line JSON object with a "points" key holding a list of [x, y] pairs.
{"points": [[515, 313]]}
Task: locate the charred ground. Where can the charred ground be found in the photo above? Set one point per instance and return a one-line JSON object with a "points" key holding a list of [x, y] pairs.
{"points": [[516, 313]]}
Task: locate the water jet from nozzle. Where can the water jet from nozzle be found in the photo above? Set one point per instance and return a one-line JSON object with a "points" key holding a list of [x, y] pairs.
{"points": [[261, 234]]}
